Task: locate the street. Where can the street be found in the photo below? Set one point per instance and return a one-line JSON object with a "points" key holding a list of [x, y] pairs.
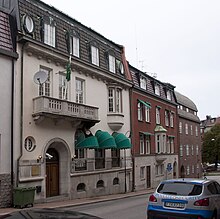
{"points": [[126, 208]]}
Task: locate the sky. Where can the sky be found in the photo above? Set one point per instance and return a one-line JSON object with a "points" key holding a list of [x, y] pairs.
{"points": [[177, 40]]}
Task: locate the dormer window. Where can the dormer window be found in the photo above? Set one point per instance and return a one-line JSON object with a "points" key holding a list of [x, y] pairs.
{"points": [[49, 31], [157, 89], [169, 95], [74, 46], [94, 55], [111, 63], [143, 83]]}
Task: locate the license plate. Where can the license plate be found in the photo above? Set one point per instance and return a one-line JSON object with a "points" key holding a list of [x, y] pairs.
{"points": [[174, 205]]}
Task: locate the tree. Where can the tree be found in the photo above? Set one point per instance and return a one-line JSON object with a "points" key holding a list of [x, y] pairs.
{"points": [[211, 145]]}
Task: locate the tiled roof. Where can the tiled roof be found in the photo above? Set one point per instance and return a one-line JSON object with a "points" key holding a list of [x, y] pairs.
{"points": [[5, 32]]}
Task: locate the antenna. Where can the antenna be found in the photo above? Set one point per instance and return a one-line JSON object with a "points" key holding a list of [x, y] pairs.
{"points": [[40, 77]]}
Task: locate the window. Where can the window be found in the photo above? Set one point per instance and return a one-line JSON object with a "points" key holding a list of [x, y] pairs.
{"points": [[142, 144], [99, 158], [197, 149], [115, 157], [63, 92], [140, 111], [147, 144], [193, 169], [187, 109], [191, 129], [192, 150], [80, 153], [157, 90], [172, 145], [157, 115], [81, 187], [169, 95], [100, 184], [187, 150], [79, 90], [160, 140], [114, 100], [143, 83], [171, 119], [74, 46], [186, 129], [111, 63], [29, 144], [196, 131], [187, 170], [159, 170], [49, 30], [95, 55], [147, 114], [166, 117], [181, 150], [180, 127], [142, 171], [44, 89], [116, 181]]}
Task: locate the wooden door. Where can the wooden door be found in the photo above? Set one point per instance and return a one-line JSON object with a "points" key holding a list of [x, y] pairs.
{"points": [[148, 177], [52, 174]]}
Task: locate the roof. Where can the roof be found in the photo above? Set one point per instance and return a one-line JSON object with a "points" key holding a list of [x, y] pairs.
{"points": [[185, 101], [193, 180]]}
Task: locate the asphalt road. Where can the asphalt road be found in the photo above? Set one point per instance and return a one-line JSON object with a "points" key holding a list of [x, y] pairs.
{"points": [[126, 208]]}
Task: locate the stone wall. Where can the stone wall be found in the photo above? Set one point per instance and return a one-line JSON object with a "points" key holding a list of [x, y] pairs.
{"points": [[5, 190]]}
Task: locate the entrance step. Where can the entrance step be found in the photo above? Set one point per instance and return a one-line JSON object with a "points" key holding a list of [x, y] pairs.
{"points": [[57, 198]]}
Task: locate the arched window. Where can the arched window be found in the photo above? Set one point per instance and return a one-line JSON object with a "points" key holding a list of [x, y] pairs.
{"points": [[100, 184], [81, 187], [116, 181]]}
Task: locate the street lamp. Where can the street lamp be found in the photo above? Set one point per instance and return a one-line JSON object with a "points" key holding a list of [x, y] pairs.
{"points": [[216, 156]]}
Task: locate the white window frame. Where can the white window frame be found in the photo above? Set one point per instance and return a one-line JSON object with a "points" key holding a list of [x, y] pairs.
{"points": [[172, 145], [45, 88], [193, 169], [157, 115], [180, 127], [157, 89], [140, 111], [74, 46], [187, 170], [94, 55], [160, 143], [49, 34], [114, 100], [111, 63], [142, 146], [197, 149], [186, 129], [80, 87], [171, 119], [181, 150], [147, 114], [143, 83], [187, 150], [142, 172], [192, 148], [166, 117], [196, 130], [191, 129], [148, 145], [169, 95], [63, 89]]}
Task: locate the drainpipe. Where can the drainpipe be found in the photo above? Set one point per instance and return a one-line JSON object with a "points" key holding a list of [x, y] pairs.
{"points": [[21, 111], [12, 123]]}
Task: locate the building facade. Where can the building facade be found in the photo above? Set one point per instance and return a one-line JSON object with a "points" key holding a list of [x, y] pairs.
{"points": [[72, 107], [7, 58], [154, 131], [189, 138]]}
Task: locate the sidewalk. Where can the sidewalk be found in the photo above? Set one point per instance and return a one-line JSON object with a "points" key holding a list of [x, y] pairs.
{"points": [[84, 201]]}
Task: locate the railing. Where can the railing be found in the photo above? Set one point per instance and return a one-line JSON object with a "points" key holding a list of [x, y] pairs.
{"points": [[80, 164], [43, 104]]}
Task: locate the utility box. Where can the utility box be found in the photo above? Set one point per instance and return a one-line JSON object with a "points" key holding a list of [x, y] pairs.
{"points": [[23, 197]]}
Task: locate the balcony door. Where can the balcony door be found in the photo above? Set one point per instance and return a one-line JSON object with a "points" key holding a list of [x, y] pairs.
{"points": [[52, 173]]}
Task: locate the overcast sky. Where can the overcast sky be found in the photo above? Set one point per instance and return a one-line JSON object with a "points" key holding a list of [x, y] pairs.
{"points": [[179, 40]]}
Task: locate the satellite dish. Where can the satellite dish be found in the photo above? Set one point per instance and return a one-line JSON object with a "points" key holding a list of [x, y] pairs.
{"points": [[40, 77]]}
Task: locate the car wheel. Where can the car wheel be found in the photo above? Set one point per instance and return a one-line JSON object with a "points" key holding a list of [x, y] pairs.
{"points": [[214, 216]]}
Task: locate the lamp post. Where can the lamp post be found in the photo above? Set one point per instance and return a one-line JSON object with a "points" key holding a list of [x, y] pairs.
{"points": [[216, 156]]}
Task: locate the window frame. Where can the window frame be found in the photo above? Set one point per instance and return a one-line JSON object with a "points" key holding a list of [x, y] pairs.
{"points": [[80, 90], [49, 31], [115, 100], [94, 55], [45, 88], [111, 63]]}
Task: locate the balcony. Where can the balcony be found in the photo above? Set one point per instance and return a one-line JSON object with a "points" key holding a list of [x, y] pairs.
{"points": [[48, 107], [115, 121]]}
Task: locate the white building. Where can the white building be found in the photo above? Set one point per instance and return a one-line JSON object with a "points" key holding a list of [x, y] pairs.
{"points": [[65, 146]]}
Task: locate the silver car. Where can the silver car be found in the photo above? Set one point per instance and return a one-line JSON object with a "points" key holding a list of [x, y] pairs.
{"points": [[185, 199]]}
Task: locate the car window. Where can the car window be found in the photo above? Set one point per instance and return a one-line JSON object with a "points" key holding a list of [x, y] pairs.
{"points": [[180, 188], [217, 187], [211, 187]]}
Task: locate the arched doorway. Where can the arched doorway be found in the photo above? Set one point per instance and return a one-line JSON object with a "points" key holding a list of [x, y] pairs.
{"points": [[182, 172], [174, 170], [52, 172]]}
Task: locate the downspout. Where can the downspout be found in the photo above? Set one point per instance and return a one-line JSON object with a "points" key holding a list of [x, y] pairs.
{"points": [[21, 111], [12, 123]]}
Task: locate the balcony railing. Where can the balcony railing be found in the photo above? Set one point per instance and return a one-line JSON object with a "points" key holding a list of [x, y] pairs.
{"points": [[52, 107]]}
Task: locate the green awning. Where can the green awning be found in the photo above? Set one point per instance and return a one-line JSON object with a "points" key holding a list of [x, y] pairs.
{"points": [[160, 128], [121, 140], [146, 133], [105, 140], [171, 136], [145, 104], [90, 142]]}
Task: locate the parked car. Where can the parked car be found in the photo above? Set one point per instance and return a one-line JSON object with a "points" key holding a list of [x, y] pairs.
{"points": [[185, 199], [46, 213]]}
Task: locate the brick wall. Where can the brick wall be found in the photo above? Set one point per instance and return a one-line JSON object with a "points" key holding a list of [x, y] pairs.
{"points": [[5, 190]]}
